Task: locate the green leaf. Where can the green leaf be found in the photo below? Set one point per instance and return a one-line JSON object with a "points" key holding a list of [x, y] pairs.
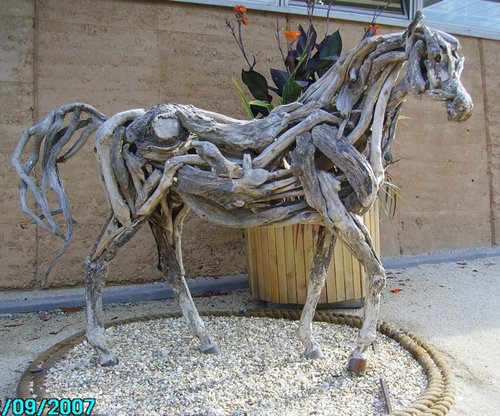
{"points": [[291, 91], [321, 64], [388, 198], [244, 99], [257, 84], [301, 60], [330, 47], [260, 103], [390, 185]]}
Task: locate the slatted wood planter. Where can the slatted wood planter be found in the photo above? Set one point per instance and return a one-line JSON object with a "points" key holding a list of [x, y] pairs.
{"points": [[279, 260]]}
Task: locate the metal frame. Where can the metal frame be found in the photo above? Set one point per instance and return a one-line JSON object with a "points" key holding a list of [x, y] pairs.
{"points": [[358, 15]]}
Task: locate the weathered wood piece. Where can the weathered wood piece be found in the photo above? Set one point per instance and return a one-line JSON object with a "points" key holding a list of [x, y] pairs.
{"points": [[351, 163], [104, 148], [303, 167], [318, 161], [387, 397]]}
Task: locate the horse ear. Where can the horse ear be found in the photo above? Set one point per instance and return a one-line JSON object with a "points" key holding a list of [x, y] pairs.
{"points": [[415, 23], [412, 27]]}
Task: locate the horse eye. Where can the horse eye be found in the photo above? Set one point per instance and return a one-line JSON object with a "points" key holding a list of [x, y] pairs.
{"points": [[438, 58]]}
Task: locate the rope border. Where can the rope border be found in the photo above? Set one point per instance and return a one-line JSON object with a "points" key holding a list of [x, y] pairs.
{"points": [[437, 399]]}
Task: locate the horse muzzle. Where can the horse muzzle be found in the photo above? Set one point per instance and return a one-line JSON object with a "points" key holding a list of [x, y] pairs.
{"points": [[460, 108]]}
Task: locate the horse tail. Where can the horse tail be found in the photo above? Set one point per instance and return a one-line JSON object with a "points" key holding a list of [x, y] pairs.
{"points": [[51, 141]]}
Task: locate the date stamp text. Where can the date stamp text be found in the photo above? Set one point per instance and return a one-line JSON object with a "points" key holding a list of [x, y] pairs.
{"points": [[49, 407]]}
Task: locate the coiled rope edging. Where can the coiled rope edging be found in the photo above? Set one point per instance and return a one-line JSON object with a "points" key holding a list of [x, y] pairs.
{"points": [[437, 399]]}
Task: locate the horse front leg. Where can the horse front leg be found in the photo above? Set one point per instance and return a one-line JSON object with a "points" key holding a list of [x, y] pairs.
{"points": [[168, 241], [324, 249], [112, 237], [353, 232], [358, 361]]}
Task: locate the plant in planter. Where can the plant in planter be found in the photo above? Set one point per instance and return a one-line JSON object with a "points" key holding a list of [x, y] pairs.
{"points": [[305, 61], [279, 258]]}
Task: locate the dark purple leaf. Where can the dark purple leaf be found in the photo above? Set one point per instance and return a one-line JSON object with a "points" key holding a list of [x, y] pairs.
{"points": [[279, 78], [257, 84], [330, 47], [301, 40]]}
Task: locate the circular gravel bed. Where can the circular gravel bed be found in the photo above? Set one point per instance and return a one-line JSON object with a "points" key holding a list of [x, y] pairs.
{"points": [[261, 371]]}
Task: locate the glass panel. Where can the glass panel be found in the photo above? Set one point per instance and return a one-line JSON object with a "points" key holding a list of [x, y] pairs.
{"points": [[484, 14]]}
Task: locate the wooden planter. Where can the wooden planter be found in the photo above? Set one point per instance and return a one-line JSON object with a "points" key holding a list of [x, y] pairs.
{"points": [[279, 260]]}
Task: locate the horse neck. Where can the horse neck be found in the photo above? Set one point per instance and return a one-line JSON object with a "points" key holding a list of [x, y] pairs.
{"points": [[344, 71]]}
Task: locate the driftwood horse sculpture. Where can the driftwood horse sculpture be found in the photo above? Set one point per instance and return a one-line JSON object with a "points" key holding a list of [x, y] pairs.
{"points": [[318, 160]]}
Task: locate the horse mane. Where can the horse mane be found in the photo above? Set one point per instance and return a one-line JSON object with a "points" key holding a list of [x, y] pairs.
{"points": [[378, 50]]}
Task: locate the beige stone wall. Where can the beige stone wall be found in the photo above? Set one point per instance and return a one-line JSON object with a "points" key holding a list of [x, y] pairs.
{"points": [[443, 171], [117, 55], [18, 247], [490, 58]]}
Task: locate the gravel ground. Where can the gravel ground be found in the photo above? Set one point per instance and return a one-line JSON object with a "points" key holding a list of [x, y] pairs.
{"points": [[455, 306], [261, 371]]}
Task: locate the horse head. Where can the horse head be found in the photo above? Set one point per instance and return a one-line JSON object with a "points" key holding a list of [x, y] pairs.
{"points": [[434, 68]]}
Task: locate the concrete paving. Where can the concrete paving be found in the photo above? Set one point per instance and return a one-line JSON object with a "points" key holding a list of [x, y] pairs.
{"points": [[453, 305], [46, 300]]}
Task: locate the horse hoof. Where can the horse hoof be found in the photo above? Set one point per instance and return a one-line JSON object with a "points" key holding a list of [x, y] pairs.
{"points": [[315, 354], [214, 349], [358, 365], [109, 361]]}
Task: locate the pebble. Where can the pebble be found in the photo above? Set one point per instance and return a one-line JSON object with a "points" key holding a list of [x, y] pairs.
{"points": [[261, 371]]}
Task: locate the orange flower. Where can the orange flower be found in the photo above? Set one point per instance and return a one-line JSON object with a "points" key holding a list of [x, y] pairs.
{"points": [[244, 19], [292, 35], [240, 9]]}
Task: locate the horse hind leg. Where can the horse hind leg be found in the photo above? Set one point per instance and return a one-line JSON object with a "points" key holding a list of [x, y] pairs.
{"points": [[112, 237], [167, 232], [324, 249]]}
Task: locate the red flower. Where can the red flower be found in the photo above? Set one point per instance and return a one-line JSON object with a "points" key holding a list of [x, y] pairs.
{"points": [[292, 35], [240, 9], [372, 30]]}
